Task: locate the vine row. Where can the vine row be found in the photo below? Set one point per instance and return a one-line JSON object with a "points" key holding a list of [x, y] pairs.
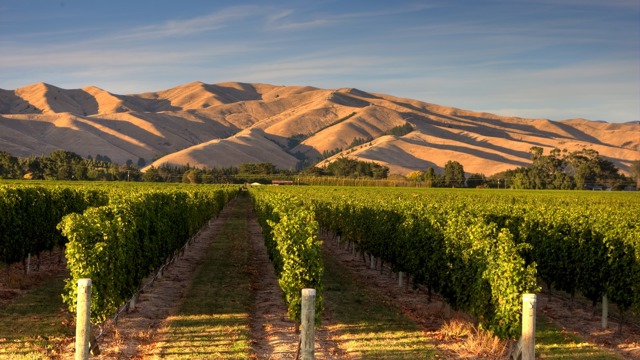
{"points": [[291, 237], [119, 244]]}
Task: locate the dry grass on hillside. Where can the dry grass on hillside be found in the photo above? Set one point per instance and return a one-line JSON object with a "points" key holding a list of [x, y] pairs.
{"points": [[211, 125]]}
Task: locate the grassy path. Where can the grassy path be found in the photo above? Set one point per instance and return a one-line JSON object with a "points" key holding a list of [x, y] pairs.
{"points": [[36, 325], [213, 320], [364, 323]]}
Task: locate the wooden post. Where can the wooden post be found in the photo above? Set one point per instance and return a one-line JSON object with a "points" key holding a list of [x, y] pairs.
{"points": [[605, 311], [83, 319], [528, 327], [401, 279], [447, 310], [132, 303], [28, 263], [307, 319]]}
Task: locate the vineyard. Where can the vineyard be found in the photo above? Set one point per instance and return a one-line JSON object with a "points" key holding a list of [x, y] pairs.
{"points": [[482, 250], [116, 236], [477, 250]]}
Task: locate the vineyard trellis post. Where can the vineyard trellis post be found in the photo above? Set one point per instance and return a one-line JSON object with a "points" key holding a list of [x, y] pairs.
{"points": [[307, 320], [528, 326], [83, 319], [605, 311]]}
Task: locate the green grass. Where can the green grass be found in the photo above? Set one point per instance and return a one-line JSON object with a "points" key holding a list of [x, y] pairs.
{"points": [[552, 342], [366, 324], [213, 320], [36, 325]]}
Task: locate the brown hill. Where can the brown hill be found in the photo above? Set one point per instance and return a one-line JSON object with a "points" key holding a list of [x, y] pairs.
{"points": [[233, 123]]}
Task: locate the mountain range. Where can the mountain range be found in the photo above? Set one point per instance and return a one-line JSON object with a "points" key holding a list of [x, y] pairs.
{"points": [[225, 124]]}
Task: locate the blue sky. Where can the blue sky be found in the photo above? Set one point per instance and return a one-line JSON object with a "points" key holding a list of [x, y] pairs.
{"points": [[553, 59]]}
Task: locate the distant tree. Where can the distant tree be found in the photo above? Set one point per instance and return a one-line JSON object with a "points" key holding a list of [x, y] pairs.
{"points": [[295, 140], [265, 168], [327, 154], [347, 167], [433, 179], [399, 130], [193, 176], [358, 141], [635, 172], [103, 158], [582, 166], [476, 180], [141, 163], [152, 175], [379, 171], [80, 172], [61, 165], [9, 166], [415, 176], [520, 181], [565, 170], [31, 167], [312, 171], [454, 174]]}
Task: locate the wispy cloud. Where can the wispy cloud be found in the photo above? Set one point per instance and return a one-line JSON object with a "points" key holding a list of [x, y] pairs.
{"points": [[295, 20], [286, 20], [170, 42], [186, 27]]}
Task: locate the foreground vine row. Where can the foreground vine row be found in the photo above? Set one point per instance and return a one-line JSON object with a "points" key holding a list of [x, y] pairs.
{"points": [[119, 244]]}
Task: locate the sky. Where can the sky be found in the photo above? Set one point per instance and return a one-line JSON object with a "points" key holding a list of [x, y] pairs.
{"points": [[555, 59]]}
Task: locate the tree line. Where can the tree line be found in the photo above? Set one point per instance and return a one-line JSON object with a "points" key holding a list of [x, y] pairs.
{"points": [[66, 165], [559, 169], [564, 170]]}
